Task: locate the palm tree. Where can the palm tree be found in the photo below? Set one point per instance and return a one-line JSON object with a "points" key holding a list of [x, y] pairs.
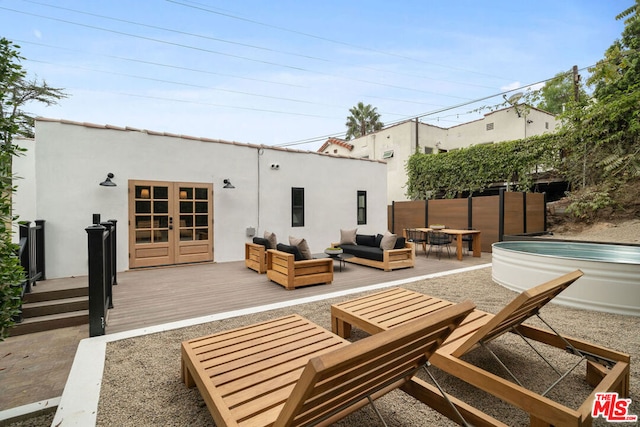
{"points": [[364, 119]]}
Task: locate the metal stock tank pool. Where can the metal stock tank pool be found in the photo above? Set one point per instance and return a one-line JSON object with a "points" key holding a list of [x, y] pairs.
{"points": [[611, 280]]}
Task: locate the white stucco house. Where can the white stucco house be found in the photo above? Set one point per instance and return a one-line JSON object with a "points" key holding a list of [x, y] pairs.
{"points": [[183, 199], [395, 144]]}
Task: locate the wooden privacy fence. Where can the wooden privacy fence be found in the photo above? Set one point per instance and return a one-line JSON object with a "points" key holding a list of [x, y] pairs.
{"points": [[495, 216]]}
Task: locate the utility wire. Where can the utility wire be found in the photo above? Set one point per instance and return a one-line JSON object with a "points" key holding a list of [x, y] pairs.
{"points": [[185, 46], [228, 15], [441, 110], [263, 48]]}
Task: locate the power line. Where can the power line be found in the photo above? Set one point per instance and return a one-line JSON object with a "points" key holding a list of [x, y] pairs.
{"points": [[158, 64], [263, 48], [441, 110], [393, 54], [200, 49]]}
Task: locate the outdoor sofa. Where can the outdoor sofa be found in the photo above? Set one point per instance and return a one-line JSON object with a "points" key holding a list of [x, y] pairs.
{"points": [[366, 250]]}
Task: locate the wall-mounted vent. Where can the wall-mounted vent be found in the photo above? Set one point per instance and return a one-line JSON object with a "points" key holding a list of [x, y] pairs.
{"points": [[489, 126]]}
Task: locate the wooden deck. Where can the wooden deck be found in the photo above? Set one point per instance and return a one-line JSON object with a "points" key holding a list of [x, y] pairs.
{"points": [[147, 297]]}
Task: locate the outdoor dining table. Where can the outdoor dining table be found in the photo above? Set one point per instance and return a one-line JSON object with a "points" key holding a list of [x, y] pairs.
{"points": [[476, 242]]}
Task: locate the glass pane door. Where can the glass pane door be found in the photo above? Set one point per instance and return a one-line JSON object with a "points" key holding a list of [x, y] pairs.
{"points": [[194, 207], [170, 223], [150, 212]]}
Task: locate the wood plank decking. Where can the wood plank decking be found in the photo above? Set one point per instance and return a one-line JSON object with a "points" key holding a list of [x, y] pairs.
{"points": [[147, 297]]}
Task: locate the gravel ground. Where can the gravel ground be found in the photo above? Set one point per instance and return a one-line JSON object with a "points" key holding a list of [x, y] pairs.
{"points": [[142, 387], [621, 232], [142, 384]]}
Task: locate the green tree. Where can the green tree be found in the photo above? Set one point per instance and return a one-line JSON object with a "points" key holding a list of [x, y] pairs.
{"points": [[364, 119], [558, 92], [15, 92], [603, 138]]}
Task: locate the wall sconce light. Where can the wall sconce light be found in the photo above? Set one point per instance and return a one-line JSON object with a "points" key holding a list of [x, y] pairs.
{"points": [[227, 184], [107, 182], [183, 194], [144, 193]]}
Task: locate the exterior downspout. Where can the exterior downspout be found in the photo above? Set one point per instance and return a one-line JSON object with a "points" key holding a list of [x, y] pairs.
{"points": [[417, 138]]}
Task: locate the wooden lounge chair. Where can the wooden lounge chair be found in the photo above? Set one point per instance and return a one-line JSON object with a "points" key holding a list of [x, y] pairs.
{"points": [[607, 370], [255, 257], [289, 371], [284, 270]]}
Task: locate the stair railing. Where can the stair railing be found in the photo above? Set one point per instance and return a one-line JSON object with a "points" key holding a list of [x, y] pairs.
{"points": [[31, 255], [102, 272]]}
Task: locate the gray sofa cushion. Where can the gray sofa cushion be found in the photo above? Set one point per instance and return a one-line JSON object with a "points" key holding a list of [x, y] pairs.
{"points": [[297, 256], [366, 240], [261, 241], [362, 251]]}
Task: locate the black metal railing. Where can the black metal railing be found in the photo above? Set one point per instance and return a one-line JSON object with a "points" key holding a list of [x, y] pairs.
{"points": [[31, 252], [31, 255], [102, 272]]}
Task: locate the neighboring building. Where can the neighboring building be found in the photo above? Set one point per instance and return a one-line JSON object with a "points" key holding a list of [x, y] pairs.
{"points": [[395, 144], [337, 147], [170, 199]]}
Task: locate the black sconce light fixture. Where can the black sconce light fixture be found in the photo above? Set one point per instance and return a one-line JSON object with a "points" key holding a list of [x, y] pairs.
{"points": [[227, 184], [107, 182]]}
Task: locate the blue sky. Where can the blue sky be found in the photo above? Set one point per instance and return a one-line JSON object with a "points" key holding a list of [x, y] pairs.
{"points": [[287, 72]]}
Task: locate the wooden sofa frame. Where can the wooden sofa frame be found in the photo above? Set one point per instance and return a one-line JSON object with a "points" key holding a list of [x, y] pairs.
{"points": [[392, 258], [291, 372], [607, 370], [284, 270], [255, 257]]}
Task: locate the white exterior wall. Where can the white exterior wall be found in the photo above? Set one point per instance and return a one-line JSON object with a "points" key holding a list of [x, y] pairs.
{"points": [[337, 150], [72, 159], [507, 126]]}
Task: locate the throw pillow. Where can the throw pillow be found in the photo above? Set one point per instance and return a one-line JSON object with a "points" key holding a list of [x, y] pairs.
{"points": [[400, 243], [388, 241], [297, 256], [378, 240], [261, 241], [348, 237], [302, 246], [271, 237]]}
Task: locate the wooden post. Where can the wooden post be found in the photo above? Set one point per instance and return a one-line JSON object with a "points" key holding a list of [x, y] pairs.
{"points": [[501, 216]]}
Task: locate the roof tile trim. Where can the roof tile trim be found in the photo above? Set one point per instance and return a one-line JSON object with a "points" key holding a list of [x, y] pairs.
{"points": [[195, 138]]}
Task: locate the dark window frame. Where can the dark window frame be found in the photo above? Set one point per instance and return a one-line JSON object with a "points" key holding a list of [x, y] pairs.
{"points": [[297, 192], [361, 209]]}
